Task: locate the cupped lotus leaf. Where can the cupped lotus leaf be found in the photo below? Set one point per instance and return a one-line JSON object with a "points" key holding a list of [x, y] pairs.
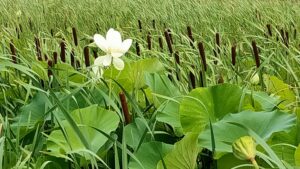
{"points": [[62, 143], [132, 76], [263, 124], [281, 89], [184, 155], [204, 104], [166, 98], [149, 154]]}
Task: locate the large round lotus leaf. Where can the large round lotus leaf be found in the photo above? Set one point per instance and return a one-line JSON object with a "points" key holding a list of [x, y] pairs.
{"points": [[204, 104]]}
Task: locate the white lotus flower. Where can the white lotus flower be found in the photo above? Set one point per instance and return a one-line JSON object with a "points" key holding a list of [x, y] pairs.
{"points": [[114, 48]]}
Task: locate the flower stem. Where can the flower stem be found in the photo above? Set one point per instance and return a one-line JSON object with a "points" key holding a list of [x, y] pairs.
{"points": [[253, 161], [110, 84]]}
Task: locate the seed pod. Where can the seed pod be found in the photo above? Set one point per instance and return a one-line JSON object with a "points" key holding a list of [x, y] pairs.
{"points": [[218, 42], [269, 29], [55, 57], [170, 35], [256, 55], [86, 56], [244, 148], [46, 57], [233, 55], [190, 35], [202, 55], [153, 24], [149, 41], [169, 42], [160, 42], [140, 25], [72, 57], [50, 65], [13, 52], [38, 48], [125, 108], [138, 50], [192, 79], [74, 32], [63, 51]]}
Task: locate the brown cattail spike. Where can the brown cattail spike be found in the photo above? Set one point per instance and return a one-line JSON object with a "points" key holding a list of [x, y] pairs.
{"points": [[202, 55], [72, 57], [137, 48], [170, 35], [63, 51], [218, 42], [140, 25], [95, 53], [233, 55], [153, 24], [287, 39], [269, 29], [86, 56], [46, 57], [50, 65], [177, 59], [160, 42], [256, 55], [13, 52], [77, 64], [55, 57], [149, 41], [125, 108], [169, 42], [190, 35], [38, 48], [75, 36], [192, 79]]}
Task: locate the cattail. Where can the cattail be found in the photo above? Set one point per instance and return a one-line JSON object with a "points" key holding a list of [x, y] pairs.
{"points": [[140, 25], [137, 48], [77, 64], [86, 56], [201, 79], [153, 24], [295, 33], [63, 51], [220, 79], [287, 38], [72, 56], [190, 35], [50, 65], [75, 36], [21, 28], [282, 35], [169, 42], [233, 55], [95, 53], [18, 33], [13, 51], [160, 42], [55, 57], [170, 35], [46, 57], [218, 42], [30, 24], [125, 108], [192, 79], [38, 48], [202, 54], [256, 55], [149, 41], [269, 29], [52, 32], [177, 59]]}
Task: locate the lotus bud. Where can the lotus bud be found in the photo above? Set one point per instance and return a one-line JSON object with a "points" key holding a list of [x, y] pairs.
{"points": [[244, 148], [255, 79]]}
